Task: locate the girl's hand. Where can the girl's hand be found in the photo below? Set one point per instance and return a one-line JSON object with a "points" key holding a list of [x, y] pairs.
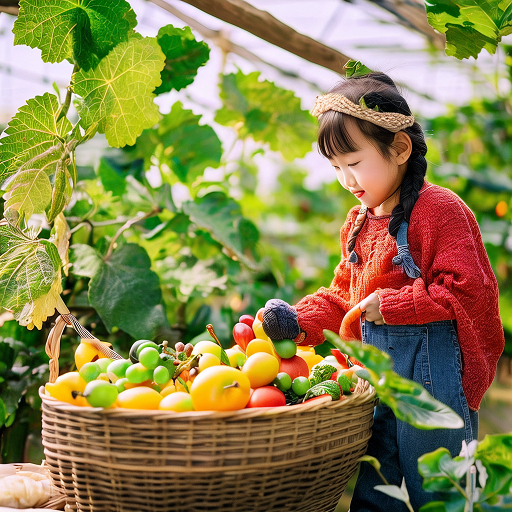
{"points": [[371, 305]]}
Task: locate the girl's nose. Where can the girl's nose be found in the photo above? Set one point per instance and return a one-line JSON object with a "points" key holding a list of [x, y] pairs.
{"points": [[346, 178]]}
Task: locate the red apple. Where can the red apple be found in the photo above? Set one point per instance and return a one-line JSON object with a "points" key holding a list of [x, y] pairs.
{"points": [[247, 319], [295, 367], [242, 334]]}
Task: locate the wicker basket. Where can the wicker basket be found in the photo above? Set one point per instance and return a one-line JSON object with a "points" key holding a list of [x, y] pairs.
{"points": [[295, 458]]}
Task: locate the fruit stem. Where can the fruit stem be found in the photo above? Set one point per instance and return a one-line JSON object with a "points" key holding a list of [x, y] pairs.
{"points": [[209, 328], [234, 385], [74, 394]]}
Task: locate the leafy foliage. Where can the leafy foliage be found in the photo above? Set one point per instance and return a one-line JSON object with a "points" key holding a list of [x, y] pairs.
{"points": [[82, 30], [180, 144], [260, 109], [410, 401], [118, 93], [33, 132], [490, 463], [183, 57], [28, 269], [470, 25], [126, 292]]}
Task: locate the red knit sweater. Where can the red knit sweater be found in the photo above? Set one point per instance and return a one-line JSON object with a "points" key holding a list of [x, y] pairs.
{"points": [[456, 282]]}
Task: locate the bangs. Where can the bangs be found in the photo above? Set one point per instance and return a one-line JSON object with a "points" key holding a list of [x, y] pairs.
{"points": [[333, 136]]}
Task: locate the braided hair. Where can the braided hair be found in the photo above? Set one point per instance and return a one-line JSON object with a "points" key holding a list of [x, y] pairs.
{"points": [[378, 90]]}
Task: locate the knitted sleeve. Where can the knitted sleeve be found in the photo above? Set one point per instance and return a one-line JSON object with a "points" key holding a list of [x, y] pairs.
{"points": [[326, 308], [457, 283]]}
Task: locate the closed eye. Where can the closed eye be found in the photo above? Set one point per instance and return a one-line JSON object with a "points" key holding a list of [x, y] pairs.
{"points": [[354, 164]]}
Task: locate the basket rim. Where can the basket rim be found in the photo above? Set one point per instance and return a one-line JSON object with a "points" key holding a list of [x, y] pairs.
{"points": [[366, 394]]}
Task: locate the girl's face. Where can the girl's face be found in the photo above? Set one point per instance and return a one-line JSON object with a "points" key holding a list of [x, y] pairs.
{"points": [[374, 179]]}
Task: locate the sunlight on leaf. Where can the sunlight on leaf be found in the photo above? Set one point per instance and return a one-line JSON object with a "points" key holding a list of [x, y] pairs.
{"points": [[83, 30], [470, 25], [267, 113], [118, 93], [32, 131], [28, 270], [28, 192]]}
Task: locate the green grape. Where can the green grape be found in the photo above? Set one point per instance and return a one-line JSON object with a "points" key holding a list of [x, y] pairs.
{"points": [[103, 363], [149, 358], [161, 375], [100, 393], [90, 371], [137, 347], [136, 373], [119, 367], [300, 385], [285, 348], [282, 381], [120, 384]]}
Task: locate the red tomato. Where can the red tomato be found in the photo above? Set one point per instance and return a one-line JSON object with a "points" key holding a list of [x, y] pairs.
{"points": [[246, 319], [295, 367], [267, 396]]}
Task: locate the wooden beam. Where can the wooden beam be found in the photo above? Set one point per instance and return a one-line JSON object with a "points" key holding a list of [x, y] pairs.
{"points": [[263, 25]]}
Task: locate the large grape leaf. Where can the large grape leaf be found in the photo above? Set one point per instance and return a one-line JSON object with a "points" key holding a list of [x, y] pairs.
{"points": [[28, 269], [222, 217], [82, 30], [31, 132], [182, 144], [29, 192], [470, 25], [267, 113], [126, 293], [183, 57], [118, 93]]}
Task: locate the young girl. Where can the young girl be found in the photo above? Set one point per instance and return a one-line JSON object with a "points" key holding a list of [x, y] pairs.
{"points": [[412, 257]]}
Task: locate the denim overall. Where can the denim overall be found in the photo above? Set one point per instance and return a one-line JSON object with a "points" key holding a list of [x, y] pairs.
{"points": [[430, 355]]}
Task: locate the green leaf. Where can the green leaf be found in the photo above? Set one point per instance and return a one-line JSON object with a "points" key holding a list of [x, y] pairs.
{"points": [[126, 293], [111, 177], [413, 404], [187, 147], [81, 30], [470, 25], [495, 452], [222, 217], [373, 358], [118, 93], [183, 57], [267, 113], [29, 192], [28, 268], [3, 413], [394, 491], [197, 279], [86, 261], [224, 359], [31, 132], [356, 68]]}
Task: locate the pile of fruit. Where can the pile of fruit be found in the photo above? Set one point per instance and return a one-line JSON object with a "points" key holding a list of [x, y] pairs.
{"points": [[255, 372]]}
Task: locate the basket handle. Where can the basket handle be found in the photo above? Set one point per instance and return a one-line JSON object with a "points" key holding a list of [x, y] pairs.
{"points": [[53, 347]]}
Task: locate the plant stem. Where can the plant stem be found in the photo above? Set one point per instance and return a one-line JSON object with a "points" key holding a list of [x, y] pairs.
{"points": [[126, 226], [67, 102]]}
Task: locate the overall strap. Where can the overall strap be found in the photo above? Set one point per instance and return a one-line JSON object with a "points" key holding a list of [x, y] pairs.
{"points": [[404, 257]]}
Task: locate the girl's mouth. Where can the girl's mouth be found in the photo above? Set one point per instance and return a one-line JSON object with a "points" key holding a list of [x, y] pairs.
{"points": [[359, 194]]}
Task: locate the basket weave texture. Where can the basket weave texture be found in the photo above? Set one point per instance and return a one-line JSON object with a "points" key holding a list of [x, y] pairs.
{"points": [[287, 459]]}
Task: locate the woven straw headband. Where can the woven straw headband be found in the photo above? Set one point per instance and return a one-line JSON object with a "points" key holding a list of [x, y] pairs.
{"points": [[392, 121]]}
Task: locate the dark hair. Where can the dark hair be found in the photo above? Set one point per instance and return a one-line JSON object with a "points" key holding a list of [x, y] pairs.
{"points": [[333, 138]]}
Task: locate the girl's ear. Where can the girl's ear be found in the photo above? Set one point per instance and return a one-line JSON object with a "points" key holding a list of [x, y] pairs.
{"points": [[403, 146]]}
